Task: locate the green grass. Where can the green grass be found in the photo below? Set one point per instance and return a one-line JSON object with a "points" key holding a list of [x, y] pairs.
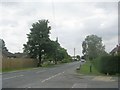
{"points": [[47, 65], [0, 70], [85, 69], [17, 69]]}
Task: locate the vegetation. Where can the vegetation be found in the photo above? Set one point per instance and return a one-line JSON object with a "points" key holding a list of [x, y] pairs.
{"points": [[37, 40], [93, 47], [108, 64], [94, 51], [85, 69], [78, 57], [4, 48], [15, 69], [56, 53], [40, 47]]}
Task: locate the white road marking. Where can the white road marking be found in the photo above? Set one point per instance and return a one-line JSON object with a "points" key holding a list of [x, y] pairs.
{"points": [[40, 71], [51, 77], [13, 77], [28, 87], [103, 78], [79, 85]]}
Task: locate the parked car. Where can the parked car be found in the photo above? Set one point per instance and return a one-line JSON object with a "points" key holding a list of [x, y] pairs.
{"points": [[82, 61]]}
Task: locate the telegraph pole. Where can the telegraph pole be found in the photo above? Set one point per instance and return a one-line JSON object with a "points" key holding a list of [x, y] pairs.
{"points": [[74, 53]]}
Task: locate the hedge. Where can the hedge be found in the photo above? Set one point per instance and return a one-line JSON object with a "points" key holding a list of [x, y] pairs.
{"points": [[108, 64]]}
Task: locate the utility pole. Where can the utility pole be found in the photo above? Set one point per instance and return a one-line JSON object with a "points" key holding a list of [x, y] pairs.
{"points": [[74, 53], [56, 52]]}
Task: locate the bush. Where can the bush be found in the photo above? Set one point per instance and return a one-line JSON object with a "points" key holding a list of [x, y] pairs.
{"points": [[108, 64], [66, 60]]}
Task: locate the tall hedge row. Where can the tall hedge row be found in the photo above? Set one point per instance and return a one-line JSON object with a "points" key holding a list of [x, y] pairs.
{"points": [[108, 64]]}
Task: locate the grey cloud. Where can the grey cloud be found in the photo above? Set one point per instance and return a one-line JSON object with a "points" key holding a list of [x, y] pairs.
{"points": [[10, 5], [109, 6], [6, 22], [71, 24]]}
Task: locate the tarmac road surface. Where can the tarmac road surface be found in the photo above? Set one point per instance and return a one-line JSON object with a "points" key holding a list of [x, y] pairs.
{"points": [[60, 76]]}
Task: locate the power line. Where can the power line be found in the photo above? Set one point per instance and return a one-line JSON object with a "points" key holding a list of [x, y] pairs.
{"points": [[54, 16]]}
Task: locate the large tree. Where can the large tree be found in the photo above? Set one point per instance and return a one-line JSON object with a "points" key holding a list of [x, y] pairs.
{"points": [[38, 38], [93, 47]]}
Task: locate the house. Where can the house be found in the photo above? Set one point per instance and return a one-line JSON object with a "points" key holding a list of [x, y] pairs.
{"points": [[116, 50]]}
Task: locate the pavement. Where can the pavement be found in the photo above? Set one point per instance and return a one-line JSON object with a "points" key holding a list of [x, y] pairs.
{"points": [[60, 76]]}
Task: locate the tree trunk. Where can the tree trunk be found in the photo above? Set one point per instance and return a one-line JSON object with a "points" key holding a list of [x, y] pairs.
{"points": [[39, 62], [55, 60]]}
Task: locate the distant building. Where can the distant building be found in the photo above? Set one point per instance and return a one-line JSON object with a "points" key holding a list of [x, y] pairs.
{"points": [[116, 50], [20, 55], [7, 54]]}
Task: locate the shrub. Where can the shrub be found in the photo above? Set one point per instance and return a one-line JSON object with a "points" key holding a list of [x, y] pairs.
{"points": [[66, 60], [108, 64]]}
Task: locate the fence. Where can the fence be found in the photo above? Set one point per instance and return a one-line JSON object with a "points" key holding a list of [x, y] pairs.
{"points": [[16, 63]]}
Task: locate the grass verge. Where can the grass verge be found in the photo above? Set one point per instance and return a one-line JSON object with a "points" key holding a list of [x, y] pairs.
{"points": [[46, 65], [17, 69], [85, 69]]}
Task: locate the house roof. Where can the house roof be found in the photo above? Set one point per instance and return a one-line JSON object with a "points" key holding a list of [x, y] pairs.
{"points": [[116, 49], [8, 54], [20, 54]]}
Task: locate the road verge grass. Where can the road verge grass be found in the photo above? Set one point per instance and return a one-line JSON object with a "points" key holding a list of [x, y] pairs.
{"points": [[17, 69], [85, 69], [45, 65]]}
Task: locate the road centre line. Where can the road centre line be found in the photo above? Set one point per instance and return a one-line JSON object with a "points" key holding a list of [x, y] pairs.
{"points": [[13, 77], [51, 77], [79, 85]]}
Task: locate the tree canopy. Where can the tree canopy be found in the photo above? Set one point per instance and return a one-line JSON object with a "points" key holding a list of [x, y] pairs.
{"points": [[37, 39], [93, 47], [39, 43]]}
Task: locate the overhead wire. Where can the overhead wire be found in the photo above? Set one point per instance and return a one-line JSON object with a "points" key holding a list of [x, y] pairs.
{"points": [[54, 18]]}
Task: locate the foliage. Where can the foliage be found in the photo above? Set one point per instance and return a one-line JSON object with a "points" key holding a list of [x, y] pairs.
{"points": [[78, 57], [37, 40], [40, 47], [93, 47], [85, 69], [56, 52], [108, 64], [4, 48]]}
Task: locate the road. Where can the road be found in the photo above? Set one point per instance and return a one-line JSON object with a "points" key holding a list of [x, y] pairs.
{"points": [[60, 76]]}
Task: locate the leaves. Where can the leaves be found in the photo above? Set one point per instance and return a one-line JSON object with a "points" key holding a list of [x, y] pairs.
{"points": [[93, 47], [38, 40]]}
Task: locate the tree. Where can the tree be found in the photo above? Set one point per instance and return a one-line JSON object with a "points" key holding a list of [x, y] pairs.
{"points": [[4, 48], [52, 50], [38, 38], [56, 52], [78, 57], [93, 47]]}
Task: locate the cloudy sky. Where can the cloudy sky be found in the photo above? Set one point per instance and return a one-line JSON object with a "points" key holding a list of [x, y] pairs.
{"points": [[71, 22]]}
